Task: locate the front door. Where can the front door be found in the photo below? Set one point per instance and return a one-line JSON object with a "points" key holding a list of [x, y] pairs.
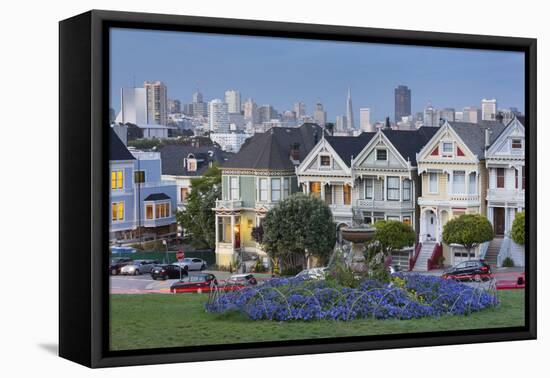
{"points": [[430, 225], [498, 220]]}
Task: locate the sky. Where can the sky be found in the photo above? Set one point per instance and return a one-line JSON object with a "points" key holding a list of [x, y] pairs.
{"points": [[282, 71]]}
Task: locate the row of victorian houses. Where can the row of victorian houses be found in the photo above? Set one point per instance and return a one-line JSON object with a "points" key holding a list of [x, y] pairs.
{"points": [[422, 178]]}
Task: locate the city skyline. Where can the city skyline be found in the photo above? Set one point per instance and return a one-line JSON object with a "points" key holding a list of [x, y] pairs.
{"points": [[284, 74]]}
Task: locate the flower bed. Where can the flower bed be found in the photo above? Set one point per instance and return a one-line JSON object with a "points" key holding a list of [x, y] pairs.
{"points": [[405, 297]]}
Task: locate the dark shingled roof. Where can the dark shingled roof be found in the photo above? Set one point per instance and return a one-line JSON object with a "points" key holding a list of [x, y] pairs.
{"points": [[172, 156], [117, 149], [271, 150], [473, 134], [349, 146], [157, 197]]}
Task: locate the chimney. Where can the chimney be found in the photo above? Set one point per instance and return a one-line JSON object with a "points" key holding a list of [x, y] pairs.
{"points": [[295, 151], [487, 138]]}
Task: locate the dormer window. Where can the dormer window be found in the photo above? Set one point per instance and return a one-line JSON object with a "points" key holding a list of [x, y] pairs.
{"points": [[447, 149], [324, 161], [381, 154], [191, 165]]}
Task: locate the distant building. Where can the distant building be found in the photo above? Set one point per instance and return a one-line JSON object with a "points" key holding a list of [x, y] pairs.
{"points": [[250, 111], [471, 114], [174, 106], [266, 113], [133, 106], [364, 120], [230, 141], [233, 100], [459, 116], [431, 116], [349, 111], [402, 96], [300, 110], [488, 109], [341, 123], [157, 102], [200, 108], [320, 116], [218, 116], [447, 114]]}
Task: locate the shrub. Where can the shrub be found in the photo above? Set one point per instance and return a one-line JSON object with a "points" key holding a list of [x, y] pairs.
{"points": [[259, 267], [508, 262], [291, 271], [518, 228]]}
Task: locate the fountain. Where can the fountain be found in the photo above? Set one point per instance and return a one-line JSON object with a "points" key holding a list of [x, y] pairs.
{"points": [[358, 236]]}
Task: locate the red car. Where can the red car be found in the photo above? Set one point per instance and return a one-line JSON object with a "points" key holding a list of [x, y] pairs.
{"points": [[195, 283], [519, 283]]}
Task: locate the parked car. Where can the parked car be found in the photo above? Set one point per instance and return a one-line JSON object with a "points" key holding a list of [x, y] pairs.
{"points": [[477, 270], [195, 283], [192, 263], [239, 281], [313, 273], [117, 264], [138, 267], [166, 271], [519, 283]]}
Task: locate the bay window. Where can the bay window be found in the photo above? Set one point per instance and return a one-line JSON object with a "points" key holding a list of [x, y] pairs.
{"points": [[432, 183], [472, 183], [275, 189], [369, 188], [393, 188], [233, 188], [459, 182], [286, 187], [500, 177], [263, 189], [406, 190]]}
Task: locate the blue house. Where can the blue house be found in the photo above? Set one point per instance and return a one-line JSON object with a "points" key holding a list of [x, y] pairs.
{"points": [[143, 206]]}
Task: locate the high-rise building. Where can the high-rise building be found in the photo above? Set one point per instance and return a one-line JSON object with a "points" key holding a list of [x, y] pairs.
{"points": [[133, 106], [470, 114], [200, 108], [218, 116], [447, 114], [488, 109], [341, 123], [266, 113], [459, 116], [431, 116], [174, 106], [197, 97], [320, 116], [157, 102], [364, 120], [402, 96], [300, 110], [349, 112], [233, 101], [250, 111]]}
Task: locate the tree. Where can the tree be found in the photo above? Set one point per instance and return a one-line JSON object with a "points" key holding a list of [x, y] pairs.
{"points": [[468, 230], [198, 218], [297, 228], [518, 228]]}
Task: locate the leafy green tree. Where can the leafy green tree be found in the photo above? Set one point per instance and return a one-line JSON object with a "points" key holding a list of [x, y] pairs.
{"points": [[518, 228], [297, 228], [468, 230], [198, 219]]}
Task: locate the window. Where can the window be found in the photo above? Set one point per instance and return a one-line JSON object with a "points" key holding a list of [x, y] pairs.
{"points": [[286, 187], [500, 177], [367, 219], [523, 177], [393, 218], [381, 154], [117, 179], [378, 216], [183, 194], [149, 211], [275, 189], [315, 188], [432, 186], [472, 183], [233, 188], [263, 189], [393, 188], [139, 177], [516, 144], [325, 161], [369, 188], [347, 195], [117, 209], [162, 210], [406, 190], [191, 165], [459, 182], [407, 220], [447, 149], [328, 194]]}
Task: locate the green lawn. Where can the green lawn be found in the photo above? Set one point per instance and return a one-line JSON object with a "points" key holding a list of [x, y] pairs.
{"points": [[160, 320]]}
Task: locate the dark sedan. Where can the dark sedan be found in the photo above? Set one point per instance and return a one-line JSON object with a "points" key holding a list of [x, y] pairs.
{"points": [[471, 270], [166, 271], [117, 264], [195, 283]]}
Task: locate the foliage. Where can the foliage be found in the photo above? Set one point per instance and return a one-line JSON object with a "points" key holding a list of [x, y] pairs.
{"points": [[258, 234], [508, 262], [468, 230], [518, 228], [296, 228], [393, 235], [156, 143], [341, 275], [198, 218], [259, 267], [290, 271], [412, 296]]}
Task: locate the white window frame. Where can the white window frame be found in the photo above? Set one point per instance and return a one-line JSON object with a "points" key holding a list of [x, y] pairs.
{"points": [[371, 188], [454, 183], [430, 188], [472, 182], [117, 220], [234, 187], [321, 166], [381, 149], [274, 191], [407, 190], [442, 149], [286, 187], [512, 144], [394, 190], [262, 190]]}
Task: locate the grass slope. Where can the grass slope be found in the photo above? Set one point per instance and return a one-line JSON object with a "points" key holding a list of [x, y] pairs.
{"points": [[159, 321]]}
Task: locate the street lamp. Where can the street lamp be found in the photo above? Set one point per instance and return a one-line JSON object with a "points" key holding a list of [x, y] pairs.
{"points": [[166, 245]]}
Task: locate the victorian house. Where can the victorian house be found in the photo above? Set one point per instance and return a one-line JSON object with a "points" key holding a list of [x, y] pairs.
{"points": [[454, 181], [142, 205], [261, 174], [505, 162]]}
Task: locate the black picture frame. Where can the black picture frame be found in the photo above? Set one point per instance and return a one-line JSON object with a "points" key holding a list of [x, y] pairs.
{"points": [[83, 112]]}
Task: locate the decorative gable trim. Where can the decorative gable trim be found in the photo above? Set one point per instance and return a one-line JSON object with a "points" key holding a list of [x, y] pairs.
{"points": [[322, 148], [426, 154], [378, 142]]}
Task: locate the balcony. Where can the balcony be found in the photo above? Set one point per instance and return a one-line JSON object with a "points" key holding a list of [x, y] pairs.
{"points": [[506, 195], [393, 205], [341, 210], [229, 204], [464, 197]]}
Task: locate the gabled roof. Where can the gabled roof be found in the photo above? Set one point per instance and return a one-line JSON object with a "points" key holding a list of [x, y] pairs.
{"points": [[473, 134], [271, 150], [157, 197], [117, 149], [172, 157], [348, 147], [408, 142]]}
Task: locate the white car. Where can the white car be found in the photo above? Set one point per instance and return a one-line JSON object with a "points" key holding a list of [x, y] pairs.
{"points": [[313, 273], [192, 263], [138, 267]]}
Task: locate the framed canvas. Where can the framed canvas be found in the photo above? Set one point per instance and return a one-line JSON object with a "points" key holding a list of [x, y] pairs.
{"points": [[235, 188]]}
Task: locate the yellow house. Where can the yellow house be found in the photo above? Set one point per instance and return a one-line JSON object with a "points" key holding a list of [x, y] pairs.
{"points": [[454, 181]]}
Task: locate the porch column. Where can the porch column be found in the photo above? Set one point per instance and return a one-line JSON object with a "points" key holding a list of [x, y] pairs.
{"points": [[400, 189], [506, 219], [323, 191], [422, 231], [217, 231], [385, 188], [520, 178]]}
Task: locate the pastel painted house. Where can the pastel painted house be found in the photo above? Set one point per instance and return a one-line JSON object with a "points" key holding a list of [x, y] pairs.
{"points": [[142, 204]]}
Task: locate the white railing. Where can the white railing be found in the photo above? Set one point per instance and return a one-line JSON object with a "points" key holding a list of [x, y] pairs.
{"points": [[464, 197], [340, 209], [505, 194], [483, 248], [504, 251], [229, 204], [370, 203]]}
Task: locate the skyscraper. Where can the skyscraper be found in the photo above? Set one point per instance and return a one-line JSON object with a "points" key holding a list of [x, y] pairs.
{"points": [[266, 113], [320, 115], [364, 120], [157, 102], [349, 112], [133, 106], [199, 106], [218, 117], [341, 123], [174, 106], [470, 114], [431, 116], [233, 101], [447, 114], [300, 110], [402, 102], [250, 111], [488, 109]]}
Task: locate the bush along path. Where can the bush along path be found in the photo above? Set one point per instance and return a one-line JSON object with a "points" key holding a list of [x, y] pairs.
{"points": [[404, 297]]}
